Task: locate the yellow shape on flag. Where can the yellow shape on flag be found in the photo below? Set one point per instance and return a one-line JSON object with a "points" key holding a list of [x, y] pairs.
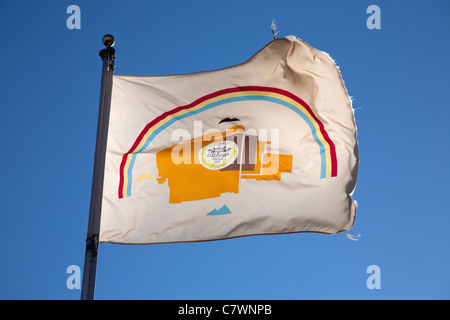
{"points": [[190, 179], [144, 176]]}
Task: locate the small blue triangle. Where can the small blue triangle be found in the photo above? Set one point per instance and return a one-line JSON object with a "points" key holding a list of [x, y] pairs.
{"points": [[218, 212]]}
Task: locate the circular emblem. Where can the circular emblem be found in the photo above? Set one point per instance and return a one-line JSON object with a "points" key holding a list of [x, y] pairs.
{"points": [[218, 155]]}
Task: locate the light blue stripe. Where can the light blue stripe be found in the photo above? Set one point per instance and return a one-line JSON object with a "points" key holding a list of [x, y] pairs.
{"points": [[221, 102], [219, 212]]}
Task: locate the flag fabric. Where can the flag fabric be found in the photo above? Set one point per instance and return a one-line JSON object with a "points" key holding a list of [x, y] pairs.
{"points": [[265, 147]]}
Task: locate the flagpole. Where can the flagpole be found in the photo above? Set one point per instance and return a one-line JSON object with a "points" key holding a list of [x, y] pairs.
{"points": [[90, 261]]}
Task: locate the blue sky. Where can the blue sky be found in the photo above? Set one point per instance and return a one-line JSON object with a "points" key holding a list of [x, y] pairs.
{"points": [[398, 77]]}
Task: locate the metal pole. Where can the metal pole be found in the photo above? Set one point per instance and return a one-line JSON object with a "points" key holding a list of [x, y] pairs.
{"points": [[90, 261]]}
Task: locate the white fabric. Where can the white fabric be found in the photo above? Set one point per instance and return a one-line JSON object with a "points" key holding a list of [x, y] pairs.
{"points": [[168, 202]]}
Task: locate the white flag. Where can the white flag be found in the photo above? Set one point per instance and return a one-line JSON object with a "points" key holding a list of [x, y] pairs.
{"points": [[265, 147]]}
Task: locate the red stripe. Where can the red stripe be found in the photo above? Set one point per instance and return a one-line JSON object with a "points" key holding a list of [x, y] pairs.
{"points": [[122, 178], [219, 93]]}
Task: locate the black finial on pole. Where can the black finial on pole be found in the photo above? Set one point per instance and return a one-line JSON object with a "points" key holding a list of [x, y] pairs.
{"points": [[108, 40], [109, 52], [108, 56]]}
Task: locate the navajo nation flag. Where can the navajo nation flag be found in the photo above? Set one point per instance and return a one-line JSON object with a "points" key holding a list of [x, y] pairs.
{"points": [[265, 147]]}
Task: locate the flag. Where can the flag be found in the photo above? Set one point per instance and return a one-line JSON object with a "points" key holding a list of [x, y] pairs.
{"points": [[265, 147]]}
